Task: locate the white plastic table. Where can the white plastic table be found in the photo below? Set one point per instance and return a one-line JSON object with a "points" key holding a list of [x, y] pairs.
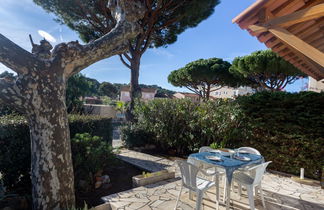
{"points": [[230, 164]]}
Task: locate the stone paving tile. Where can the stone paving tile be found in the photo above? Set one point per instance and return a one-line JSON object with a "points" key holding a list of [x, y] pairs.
{"points": [[145, 161], [279, 192]]}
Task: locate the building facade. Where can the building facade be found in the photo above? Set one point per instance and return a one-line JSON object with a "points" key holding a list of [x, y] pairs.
{"points": [[147, 94], [314, 85], [228, 92], [192, 96]]}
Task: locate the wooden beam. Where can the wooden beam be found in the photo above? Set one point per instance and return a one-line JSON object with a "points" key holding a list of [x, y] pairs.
{"points": [[291, 19], [299, 45]]}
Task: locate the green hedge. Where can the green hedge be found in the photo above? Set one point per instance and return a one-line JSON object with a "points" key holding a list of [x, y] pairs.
{"points": [[15, 145], [286, 128]]}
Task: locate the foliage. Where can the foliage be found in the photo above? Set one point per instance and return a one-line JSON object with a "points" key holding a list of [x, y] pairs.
{"points": [[106, 100], [15, 146], [267, 69], [4, 109], [108, 89], [287, 128], [163, 21], [216, 145], [161, 92], [120, 106], [134, 135], [90, 154], [7, 74], [146, 174], [78, 87], [204, 76], [179, 125], [93, 19]]}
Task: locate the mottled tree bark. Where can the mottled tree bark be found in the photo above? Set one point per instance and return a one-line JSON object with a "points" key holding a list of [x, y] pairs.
{"points": [[39, 92]]}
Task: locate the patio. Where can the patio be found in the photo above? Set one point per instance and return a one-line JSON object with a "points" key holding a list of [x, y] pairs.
{"points": [[280, 192]]}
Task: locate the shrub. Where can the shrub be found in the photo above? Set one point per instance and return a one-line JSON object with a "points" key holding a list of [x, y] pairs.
{"points": [[286, 128], [134, 136], [15, 146], [90, 154]]}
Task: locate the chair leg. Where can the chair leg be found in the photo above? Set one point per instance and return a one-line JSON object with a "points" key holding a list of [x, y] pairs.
{"points": [[225, 184], [190, 195], [199, 199], [262, 198], [178, 198], [217, 190], [250, 195]]}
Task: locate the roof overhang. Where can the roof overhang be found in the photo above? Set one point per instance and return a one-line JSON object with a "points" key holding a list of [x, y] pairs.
{"points": [[294, 29]]}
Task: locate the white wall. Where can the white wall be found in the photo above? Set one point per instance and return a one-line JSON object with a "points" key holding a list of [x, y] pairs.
{"points": [[316, 86], [102, 110]]}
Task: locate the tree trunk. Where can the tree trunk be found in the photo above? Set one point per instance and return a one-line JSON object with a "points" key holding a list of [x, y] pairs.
{"points": [[207, 92], [39, 93], [135, 90], [51, 166]]}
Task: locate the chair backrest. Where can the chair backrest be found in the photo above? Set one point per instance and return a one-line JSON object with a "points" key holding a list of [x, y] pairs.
{"points": [[258, 171], [249, 150], [205, 149], [188, 174]]}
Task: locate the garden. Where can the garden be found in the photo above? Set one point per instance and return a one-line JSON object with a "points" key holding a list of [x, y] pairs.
{"points": [[286, 128], [55, 155]]}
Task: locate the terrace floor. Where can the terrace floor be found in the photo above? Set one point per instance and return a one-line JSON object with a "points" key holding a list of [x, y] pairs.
{"points": [[280, 192]]}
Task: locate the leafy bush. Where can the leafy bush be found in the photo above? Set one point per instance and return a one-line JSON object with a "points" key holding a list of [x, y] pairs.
{"points": [[286, 128], [15, 145], [90, 154], [134, 136]]}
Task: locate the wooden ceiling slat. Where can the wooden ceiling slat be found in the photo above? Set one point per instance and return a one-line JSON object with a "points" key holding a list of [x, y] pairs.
{"points": [[308, 34], [291, 7]]}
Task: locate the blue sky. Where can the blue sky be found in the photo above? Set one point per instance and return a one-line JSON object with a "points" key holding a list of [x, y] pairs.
{"points": [[214, 37]]}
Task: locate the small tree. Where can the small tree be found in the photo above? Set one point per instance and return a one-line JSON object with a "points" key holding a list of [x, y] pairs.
{"points": [[39, 93], [78, 86], [108, 89], [161, 24], [204, 76], [266, 69]]}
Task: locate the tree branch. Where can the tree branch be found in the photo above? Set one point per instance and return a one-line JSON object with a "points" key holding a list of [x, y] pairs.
{"points": [[75, 57], [127, 56], [124, 62], [16, 58]]}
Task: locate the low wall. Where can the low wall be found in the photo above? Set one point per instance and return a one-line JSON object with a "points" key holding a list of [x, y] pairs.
{"points": [[102, 110]]}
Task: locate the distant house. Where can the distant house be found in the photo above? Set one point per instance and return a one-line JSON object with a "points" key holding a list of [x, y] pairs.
{"points": [[315, 86], [147, 94], [192, 96], [228, 92]]}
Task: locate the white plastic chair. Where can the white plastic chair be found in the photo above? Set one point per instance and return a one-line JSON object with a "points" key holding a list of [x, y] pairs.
{"points": [[251, 181], [217, 171], [205, 149], [250, 150], [192, 182]]}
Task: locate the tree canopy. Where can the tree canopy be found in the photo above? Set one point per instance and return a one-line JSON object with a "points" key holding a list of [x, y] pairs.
{"points": [[108, 89], [266, 69], [163, 21], [204, 76]]}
